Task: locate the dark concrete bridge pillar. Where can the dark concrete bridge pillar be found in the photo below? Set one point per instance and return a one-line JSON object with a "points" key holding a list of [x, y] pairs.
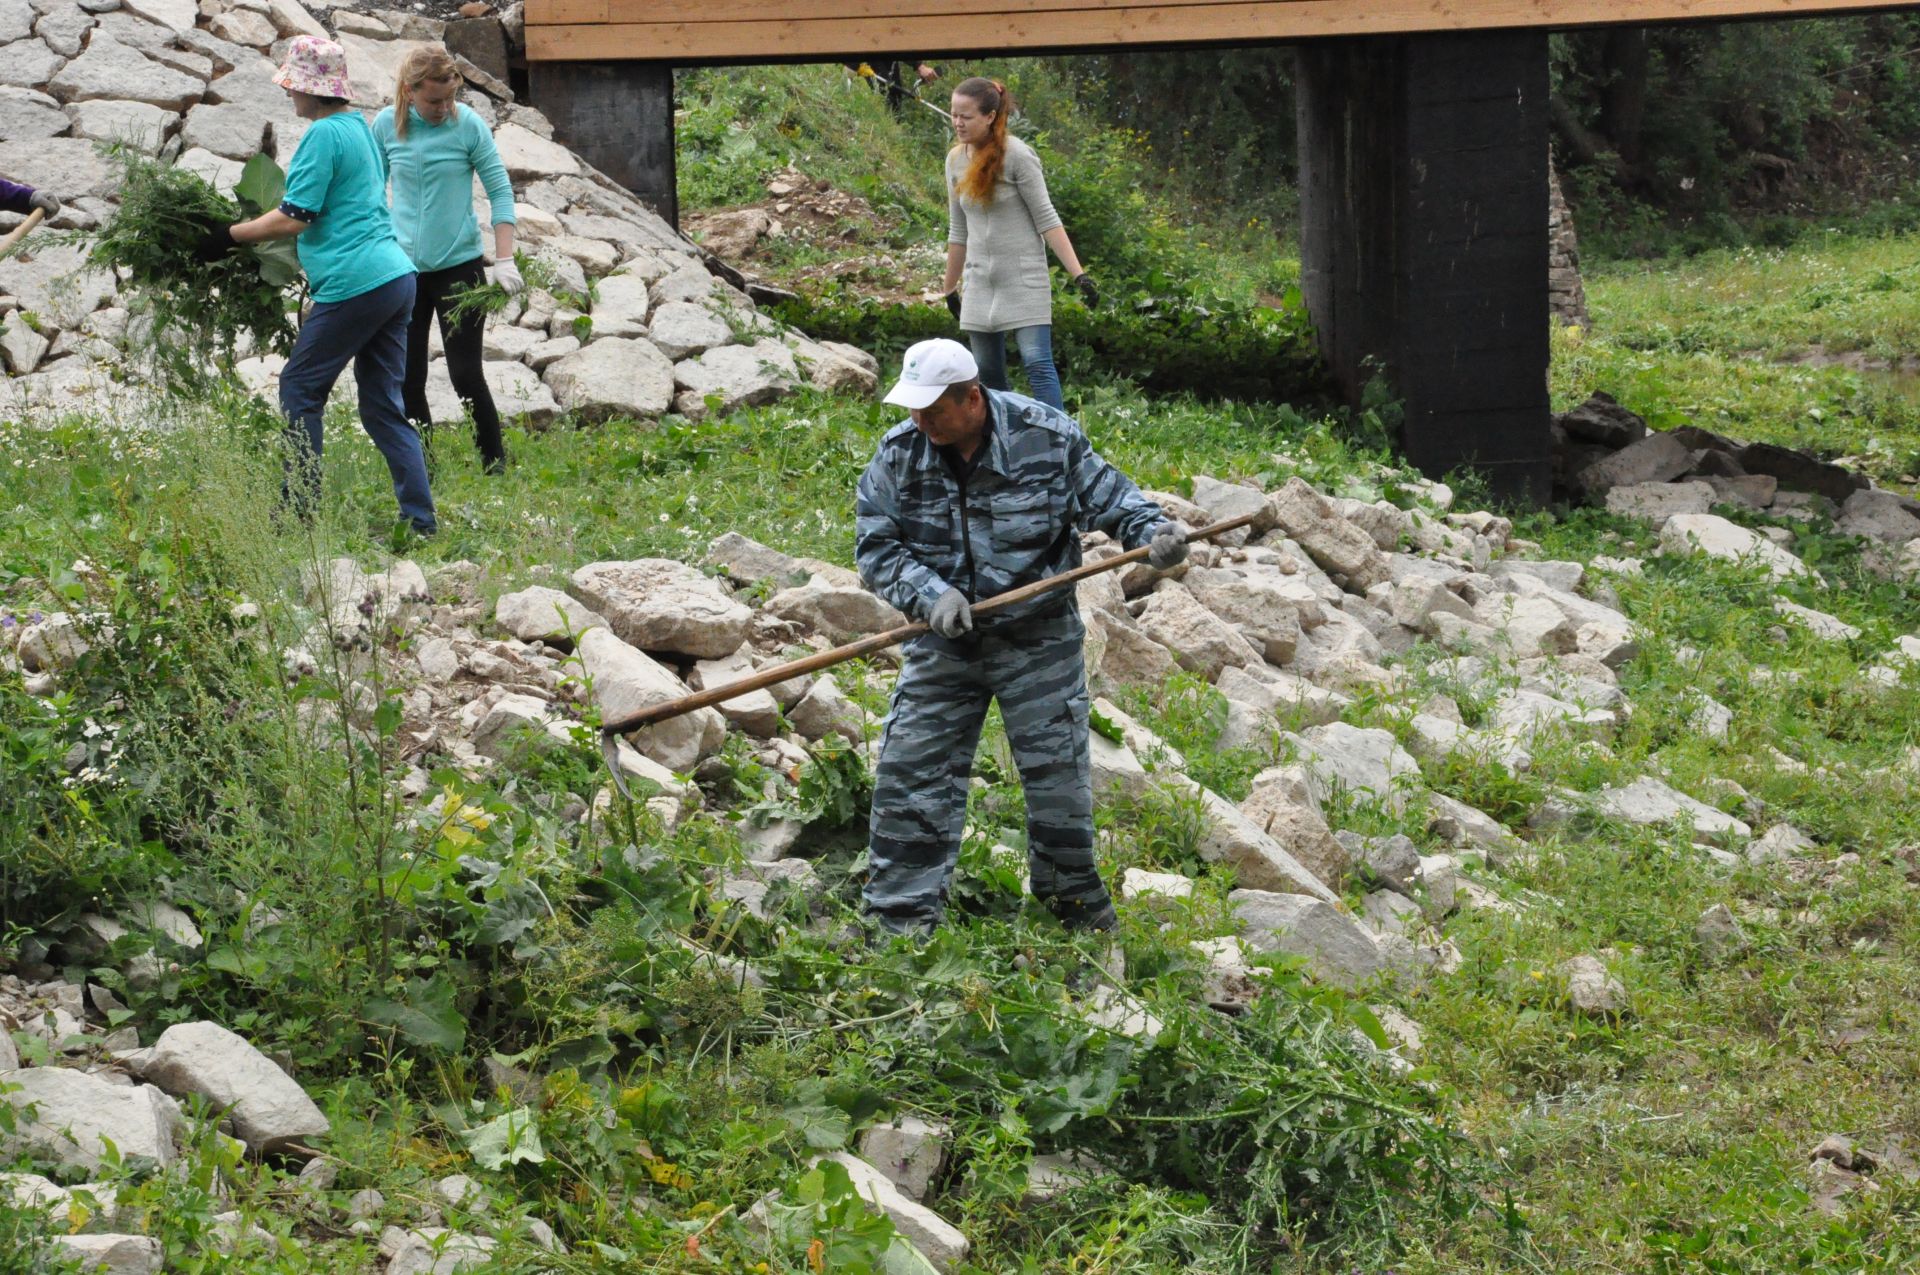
{"points": [[618, 116], [1423, 254]]}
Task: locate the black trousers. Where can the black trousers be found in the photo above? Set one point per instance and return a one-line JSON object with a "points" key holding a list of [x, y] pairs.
{"points": [[464, 359]]}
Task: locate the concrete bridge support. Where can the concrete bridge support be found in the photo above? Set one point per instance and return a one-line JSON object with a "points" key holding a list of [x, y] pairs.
{"points": [[1423, 192], [618, 116]]}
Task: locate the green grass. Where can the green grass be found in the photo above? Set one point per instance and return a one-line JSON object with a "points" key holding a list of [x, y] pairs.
{"points": [[1713, 341]]}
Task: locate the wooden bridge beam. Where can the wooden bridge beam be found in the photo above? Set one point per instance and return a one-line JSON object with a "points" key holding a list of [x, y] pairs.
{"points": [[1423, 193]]}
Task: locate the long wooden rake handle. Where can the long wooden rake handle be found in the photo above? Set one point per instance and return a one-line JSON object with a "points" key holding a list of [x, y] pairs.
{"points": [[19, 232], [669, 709]]}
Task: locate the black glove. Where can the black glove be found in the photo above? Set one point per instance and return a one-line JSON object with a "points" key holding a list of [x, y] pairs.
{"points": [[1168, 548], [951, 617], [216, 243], [953, 304], [1089, 291], [44, 202]]}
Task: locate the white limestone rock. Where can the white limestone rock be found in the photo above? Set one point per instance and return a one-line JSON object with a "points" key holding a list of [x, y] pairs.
{"points": [[689, 282], [936, 1238], [909, 1150], [1199, 640], [433, 1250], [1591, 990], [1657, 502], [519, 394], [1818, 623], [262, 1105], [135, 124], [22, 348], [243, 26], [1718, 933], [684, 328], [626, 681], [621, 306], [508, 718], [74, 1112], [1138, 883], [1291, 698], [1335, 544], [1230, 837], [1272, 806], [747, 561], [540, 614], [1225, 501], [613, 378], [1650, 803], [54, 281], [229, 129], [658, 604], [755, 712], [734, 376], [1873, 514], [1714, 536], [112, 1254], [109, 69], [29, 64], [1779, 844], [1532, 626], [1370, 764], [1255, 604], [839, 612], [1335, 949], [825, 710], [27, 114]]}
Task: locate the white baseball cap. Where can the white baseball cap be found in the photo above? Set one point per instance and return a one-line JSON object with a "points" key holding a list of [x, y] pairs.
{"points": [[928, 369]]}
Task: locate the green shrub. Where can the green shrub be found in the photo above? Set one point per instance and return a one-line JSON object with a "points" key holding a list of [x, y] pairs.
{"points": [[1161, 341]]}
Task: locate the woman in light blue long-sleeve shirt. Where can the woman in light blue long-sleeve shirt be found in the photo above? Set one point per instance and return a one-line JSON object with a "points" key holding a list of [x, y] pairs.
{"points": [[434, 148]]}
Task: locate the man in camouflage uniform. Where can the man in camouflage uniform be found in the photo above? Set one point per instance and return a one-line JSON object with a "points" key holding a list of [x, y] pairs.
{"points": [[981, 492]]}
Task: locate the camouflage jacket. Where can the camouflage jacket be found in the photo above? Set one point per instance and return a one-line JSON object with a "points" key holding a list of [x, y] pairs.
{"points": [[1016, 520]]}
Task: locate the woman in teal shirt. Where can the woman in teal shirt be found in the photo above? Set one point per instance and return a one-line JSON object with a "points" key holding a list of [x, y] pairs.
{"points": [[434, 147], [360, 281]]}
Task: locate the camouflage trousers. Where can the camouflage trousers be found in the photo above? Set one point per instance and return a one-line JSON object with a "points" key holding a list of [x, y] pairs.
{"points": [[1034, 669]]}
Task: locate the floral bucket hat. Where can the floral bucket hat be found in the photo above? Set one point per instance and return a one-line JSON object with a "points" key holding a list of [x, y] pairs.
{"points": [[315, 66]]}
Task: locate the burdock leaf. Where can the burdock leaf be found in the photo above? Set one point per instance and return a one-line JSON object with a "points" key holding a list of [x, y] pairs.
{"points": [[261, 185], [279, 262]]}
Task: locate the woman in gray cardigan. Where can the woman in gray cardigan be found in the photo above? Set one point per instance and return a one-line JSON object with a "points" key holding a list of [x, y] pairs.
{"points": [[1000, 224]]}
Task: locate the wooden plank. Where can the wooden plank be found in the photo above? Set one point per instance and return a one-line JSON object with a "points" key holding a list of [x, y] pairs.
{"points": [[863, 10], [561, 11], [997, 30]]}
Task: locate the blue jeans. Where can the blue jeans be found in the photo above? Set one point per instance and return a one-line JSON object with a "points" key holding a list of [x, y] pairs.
{"points": [[371, 330], [1036, 355]]}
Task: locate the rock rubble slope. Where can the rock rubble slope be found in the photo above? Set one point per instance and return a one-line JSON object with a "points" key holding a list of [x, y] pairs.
{"points": [[1336, 601], [634, 326]]}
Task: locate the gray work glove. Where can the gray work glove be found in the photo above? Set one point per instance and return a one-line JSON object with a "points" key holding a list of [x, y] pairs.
{"points": [[951, 617], [44, 202], [1168, 548]]}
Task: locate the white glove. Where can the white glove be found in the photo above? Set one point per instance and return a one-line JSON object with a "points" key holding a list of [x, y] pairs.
{"points": [[507, 275]]}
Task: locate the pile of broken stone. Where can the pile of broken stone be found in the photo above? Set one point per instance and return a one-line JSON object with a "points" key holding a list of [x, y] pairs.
{"points": [[1606, 455], [1319, 600], [636, 325], [120, 1105]]}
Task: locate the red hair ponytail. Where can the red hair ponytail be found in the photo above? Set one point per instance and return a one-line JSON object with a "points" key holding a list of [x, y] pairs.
{"points": [[990, 157]]}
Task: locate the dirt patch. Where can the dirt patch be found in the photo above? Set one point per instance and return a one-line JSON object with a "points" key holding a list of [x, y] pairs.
{"points": [[809, 235]]}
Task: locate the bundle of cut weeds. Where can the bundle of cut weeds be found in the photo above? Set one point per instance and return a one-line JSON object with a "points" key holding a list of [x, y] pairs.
{"points": [[488, 299], [205, 315]]}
